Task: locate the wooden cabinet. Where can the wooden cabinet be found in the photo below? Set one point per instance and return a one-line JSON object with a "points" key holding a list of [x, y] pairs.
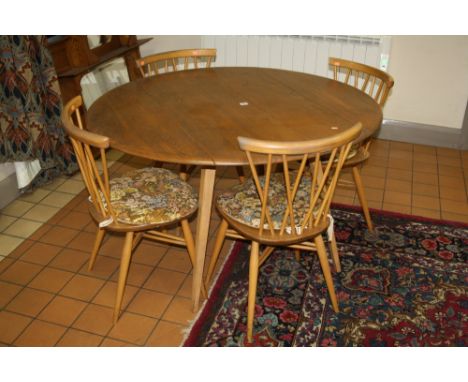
{"points": [[73, 58]]}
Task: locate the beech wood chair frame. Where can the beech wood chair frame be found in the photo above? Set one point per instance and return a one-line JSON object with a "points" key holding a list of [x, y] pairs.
{"points": [[377, 84], [97, 184], [325, 158]]}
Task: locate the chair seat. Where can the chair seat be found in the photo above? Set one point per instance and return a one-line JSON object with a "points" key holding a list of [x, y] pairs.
{"points": [[152, 196], [242, 203]]}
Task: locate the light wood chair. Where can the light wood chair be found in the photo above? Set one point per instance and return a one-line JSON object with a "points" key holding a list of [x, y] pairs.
{"points": [[174, 61], [376, 84], [288, 209], [136, 204]]}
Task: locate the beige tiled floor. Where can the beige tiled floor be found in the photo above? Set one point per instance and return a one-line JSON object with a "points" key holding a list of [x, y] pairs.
{"points": [[48, 297]]}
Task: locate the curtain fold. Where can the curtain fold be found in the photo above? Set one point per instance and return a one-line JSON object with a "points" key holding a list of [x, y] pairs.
{"points": [[30, 107]]}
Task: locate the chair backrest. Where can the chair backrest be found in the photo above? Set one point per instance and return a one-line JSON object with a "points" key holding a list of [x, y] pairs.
{"points": [[325, 158], [372, 81], [176, 60], [85, 145]]}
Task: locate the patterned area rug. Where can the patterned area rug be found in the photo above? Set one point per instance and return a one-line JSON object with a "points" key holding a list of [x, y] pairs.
{"points": [[404, 285]]}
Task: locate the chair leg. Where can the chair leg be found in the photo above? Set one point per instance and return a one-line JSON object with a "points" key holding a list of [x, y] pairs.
{"points": [[183, 173], [253, 277], [123, 272], [297, 254], [362, 197], [191, 248], [216, 250], [240, 174], [334, 251], [137, 240], [97, 244], [322, 254]]}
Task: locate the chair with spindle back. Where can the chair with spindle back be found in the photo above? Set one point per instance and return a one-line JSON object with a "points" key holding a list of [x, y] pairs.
{"points": [[137, 203], [287, 209], [377, 84], [174, 61]]}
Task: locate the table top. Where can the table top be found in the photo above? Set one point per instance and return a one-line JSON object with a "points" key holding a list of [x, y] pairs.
{"points": [[195, 116]]}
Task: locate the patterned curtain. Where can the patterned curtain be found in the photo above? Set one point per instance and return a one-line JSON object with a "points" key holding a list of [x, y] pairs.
{"points": [[30, 107]]}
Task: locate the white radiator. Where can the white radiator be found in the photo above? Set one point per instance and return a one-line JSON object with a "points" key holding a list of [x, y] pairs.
{"points": [[308, 54]]}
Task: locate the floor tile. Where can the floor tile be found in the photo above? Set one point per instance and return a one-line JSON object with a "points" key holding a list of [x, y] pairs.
{"points": [[110, 342], [17, 208], [103, 268], [75, 220], [82, 288], [176, 260], [424, 212], [6, 221], [133, 328], [107, 295], [429, 150], [70, 260], [59, 236], [55, 183], [398, 185], [425, 190], [79, 338], [71, 186], [456, 194], [454, 207], [35, 196], [428, 202], [7, 292], [57, 199], [137, 274], [41, 213], [149, 303], [396, 197], [95, 319], [8, 243], [454, 217], [149, 254], [40, 253], [393, 207], [62, 311], [51, 280], [11, 326], [29, 302], [166, 334], [20, 272], [399, 174], [166, 281], [179, 311], [40, 334], [430, 167], [22, 228]]}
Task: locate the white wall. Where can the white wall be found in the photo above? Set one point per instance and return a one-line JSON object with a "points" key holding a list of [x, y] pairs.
{"points": [[431, 80], [166, 43]]}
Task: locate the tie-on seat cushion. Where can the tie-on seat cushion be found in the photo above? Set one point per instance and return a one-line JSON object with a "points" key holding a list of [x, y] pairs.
{"points": [[242, 203], [151, 196]]}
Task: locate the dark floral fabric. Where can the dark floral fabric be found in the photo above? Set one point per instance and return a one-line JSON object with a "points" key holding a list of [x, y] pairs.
{"points": [[30, 107], [404, 285]]}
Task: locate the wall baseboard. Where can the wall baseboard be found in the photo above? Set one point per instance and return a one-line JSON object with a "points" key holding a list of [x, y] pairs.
{"points": [[8, 190], [421, 134]]}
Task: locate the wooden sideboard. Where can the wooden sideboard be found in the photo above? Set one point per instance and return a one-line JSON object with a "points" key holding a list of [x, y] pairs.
{"points": [[73, 58]]}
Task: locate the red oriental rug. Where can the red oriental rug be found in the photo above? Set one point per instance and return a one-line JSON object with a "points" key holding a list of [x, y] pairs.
{"points": [[404, 285]]}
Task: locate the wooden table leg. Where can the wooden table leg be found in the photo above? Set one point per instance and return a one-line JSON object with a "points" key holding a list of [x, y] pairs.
{"points": [[203, 227]]}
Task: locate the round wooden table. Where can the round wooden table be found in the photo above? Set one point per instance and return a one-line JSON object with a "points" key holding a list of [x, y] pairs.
{"points": [[195, 116]]}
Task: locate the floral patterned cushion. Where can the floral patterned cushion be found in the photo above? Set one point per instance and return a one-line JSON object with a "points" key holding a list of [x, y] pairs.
{"points": [[151, 196], [242, 202]]}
